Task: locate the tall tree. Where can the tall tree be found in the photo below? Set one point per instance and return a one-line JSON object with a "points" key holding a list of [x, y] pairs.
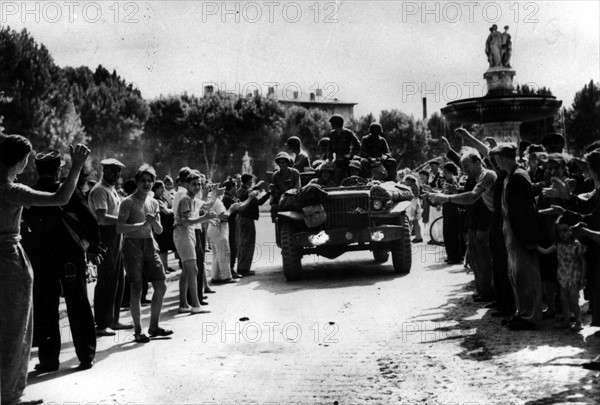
{"points": [[582, 120], [407, 142]]}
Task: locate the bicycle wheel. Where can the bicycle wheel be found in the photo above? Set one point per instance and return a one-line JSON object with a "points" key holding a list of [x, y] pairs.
{"points": [[436, 230]]}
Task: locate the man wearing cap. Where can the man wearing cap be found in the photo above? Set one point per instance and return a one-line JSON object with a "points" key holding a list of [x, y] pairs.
{"points": [[522, 232], [283, 180], [374, 147], [58, 257], [343, 145], [553, 143], [104, 202], [301, 160]]}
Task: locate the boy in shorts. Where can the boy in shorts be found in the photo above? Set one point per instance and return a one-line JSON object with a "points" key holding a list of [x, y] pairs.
{"points": [[138, 218]]}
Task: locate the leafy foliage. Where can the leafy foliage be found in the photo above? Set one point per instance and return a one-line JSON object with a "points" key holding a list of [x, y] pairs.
{"points": [[582, 120]]}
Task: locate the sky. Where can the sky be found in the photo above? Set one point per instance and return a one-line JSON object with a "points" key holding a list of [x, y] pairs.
{"points": [[381, 55]]}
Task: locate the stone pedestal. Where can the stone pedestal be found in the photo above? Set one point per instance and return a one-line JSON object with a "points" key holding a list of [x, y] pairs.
{"points": [[503, 131], [499, 80]]}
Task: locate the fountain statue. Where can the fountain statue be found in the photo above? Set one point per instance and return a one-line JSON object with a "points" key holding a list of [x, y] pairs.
{"points": [[246, 164], [501, 111]]}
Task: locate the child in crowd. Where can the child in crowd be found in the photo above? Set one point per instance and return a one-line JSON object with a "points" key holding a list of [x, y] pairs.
{"points": [[414, 210], [184, 236], [571, 269]]}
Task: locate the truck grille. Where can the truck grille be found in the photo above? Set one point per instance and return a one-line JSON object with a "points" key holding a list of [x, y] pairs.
{"points": [[338, 206]]}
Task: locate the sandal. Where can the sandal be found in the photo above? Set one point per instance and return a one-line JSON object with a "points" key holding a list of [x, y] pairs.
{"points": [[159, 332], [140, 338]]}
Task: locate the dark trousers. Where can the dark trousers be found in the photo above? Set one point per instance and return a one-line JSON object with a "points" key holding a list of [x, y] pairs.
{"points": [[46, 298], [200, 240], [233, 242], [452, 240], [505, 301], [111, 280], [246, 243]]}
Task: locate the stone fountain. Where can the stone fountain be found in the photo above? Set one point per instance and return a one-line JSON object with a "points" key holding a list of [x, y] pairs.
{"points": [[501, 111]]}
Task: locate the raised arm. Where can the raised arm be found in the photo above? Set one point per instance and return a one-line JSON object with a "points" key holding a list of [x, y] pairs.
{"points": [[61, 197]]}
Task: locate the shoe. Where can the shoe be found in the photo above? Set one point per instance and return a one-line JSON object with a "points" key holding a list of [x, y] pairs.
{"points": [[105, 332], [548, 314], [198, 310], [508, 320], [122, 326], [203, 302], [86, 365], [171, 270], [145, 301], [204, 297], [45, 368], [592, 365], [452, 262], [161, 331], [226, 281], [247, 273], [23, 401], [498, 314], [208, 291], [417, 240], [522, 324], [235, 274], [184, 310], [575, 327], [140, 338]]}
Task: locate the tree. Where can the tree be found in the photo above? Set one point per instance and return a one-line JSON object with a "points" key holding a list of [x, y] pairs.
{"points": [[407, 141], [582, 120], [112, 112], [36, 101], [309, 125]]}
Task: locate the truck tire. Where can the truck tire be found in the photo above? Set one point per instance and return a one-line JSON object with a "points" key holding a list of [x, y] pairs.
{"points": [[380, 255], [402, 251], [291, 255]]}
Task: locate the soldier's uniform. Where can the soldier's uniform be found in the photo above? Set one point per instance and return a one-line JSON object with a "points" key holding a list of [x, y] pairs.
{"points": [[58, 259], [342, 146], [374, 146]]}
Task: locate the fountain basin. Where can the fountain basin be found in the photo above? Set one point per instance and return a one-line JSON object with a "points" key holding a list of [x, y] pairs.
{"points": [[501, 108]]}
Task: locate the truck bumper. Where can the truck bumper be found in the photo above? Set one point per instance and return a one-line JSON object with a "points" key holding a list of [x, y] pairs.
{"points": [[346, 236]]}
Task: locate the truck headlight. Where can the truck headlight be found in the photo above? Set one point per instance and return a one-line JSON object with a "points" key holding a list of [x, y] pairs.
{"points": [[377, 236], [377, 204]]}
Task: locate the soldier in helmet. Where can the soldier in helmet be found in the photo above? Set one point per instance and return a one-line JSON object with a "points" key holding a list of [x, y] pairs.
{"points": [[374, 149], [324, 175], [354, 175], [283, 180], [301, 160], [343, 145], [323, 145]]}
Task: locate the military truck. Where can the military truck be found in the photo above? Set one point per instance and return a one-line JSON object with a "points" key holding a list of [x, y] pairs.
{"points": [[359, 218]]}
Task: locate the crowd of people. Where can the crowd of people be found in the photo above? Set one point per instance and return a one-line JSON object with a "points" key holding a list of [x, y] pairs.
{"points": [[526, 219]]}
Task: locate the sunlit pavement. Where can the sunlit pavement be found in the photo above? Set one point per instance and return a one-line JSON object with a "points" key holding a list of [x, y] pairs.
{"points": [[352, 331]]}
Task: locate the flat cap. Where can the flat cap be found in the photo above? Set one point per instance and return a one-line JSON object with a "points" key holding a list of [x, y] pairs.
{"points": [[111, 162], [48, 160], [355, 164]]}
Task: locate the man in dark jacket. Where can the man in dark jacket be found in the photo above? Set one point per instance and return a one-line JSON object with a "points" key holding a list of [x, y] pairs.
{"points": [[374, 147], [343, 145], [57, 248], [522, 231]]}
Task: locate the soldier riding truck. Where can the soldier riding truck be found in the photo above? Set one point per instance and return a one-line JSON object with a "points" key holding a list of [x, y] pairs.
{"points": [[334, 220]]}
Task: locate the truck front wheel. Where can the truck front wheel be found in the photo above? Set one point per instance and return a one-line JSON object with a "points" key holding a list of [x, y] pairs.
{"points": [[291, 254], [402, 250]]}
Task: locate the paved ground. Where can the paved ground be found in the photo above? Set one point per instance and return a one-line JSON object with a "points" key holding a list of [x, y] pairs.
{"points": [[351, 332]]}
